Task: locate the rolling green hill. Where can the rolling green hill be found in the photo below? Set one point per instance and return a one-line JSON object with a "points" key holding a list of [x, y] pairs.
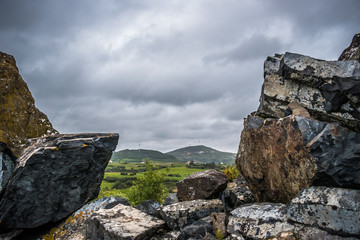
{"points": [[203, 154], [139, 155]]}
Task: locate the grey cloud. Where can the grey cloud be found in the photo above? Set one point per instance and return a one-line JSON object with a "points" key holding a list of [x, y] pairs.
{"points": [[163, 73], [254, 47]]}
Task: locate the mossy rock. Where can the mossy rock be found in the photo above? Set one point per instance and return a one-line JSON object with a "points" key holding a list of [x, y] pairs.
{"points": [[19, 118]]}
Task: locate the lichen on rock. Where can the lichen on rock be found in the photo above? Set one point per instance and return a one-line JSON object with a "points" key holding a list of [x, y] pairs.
{"points": [[19, 118]]}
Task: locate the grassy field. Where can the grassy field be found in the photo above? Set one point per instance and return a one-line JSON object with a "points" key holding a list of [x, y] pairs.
{"points": [[123, 171]]}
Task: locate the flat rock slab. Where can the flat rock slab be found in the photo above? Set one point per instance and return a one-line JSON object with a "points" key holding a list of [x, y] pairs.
{"points": [[122, 223], [201, 185], [178, 215], [262, 220], [328, 90], [55, 176], [335, 210]]}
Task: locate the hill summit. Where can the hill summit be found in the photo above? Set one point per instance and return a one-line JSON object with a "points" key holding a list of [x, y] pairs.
{"points": [[203, 154], [139, 155]]}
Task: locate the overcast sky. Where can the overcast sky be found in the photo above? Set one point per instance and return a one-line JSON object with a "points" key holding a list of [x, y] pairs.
{"points": [[164, 74]]}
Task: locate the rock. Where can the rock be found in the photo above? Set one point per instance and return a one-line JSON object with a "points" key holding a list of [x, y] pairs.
{"points": [[279, 157], [328, 90], [197, 230], [273, 159], [287, 235], [73, 227], [180, 214], [316, 213], [201, 185], [19, 118], [219, 222], [171, 235], [353, 51], [150, 207], [122, 222], [209, 236], [236, 194], [7, 164], [234, 237], [170, 199], [55, 176], [258, 221], [334, 210]]}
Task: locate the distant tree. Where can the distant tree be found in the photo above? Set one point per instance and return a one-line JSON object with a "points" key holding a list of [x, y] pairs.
{"points": [[149, 186]]}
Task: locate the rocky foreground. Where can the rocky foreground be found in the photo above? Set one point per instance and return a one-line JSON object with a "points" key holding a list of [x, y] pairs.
{"points": [[299, 158]]}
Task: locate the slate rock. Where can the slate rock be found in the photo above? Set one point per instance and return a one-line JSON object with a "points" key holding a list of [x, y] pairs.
{"points": [[7, 164], [171, 235], [201, 185], [197, 230], [178, 215], [335, 210], [55, 176], [328, 90], [19, 117], [353, 51], [236, 194], [259, 221], [122, 222], [150, 207], [279, 157], [170, 199]]}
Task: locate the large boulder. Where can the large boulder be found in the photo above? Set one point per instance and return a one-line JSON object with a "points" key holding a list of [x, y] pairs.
{"points": [[19, 118], [179, 215], [328, 90], [122, 222], [201, 185], [353, 51], [55, 176], [279, 157]]}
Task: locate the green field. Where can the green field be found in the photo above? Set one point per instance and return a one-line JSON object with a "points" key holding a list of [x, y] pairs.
{"points": [[119, 175]]}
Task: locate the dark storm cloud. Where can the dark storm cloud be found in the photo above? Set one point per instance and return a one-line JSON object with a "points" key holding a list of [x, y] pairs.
{"points": [[164, 74]]}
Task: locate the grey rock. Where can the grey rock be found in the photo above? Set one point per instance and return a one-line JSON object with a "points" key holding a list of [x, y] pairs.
{"points": [[122, 222], [201, 185], [178, 215], [236, 194], [55, 176], [263, 220], [328, 90], [234, 237], [7, 164], [197, 230], [173, 235], [150, 207], [73, 227], [334, 210], [336, 151], [170, 199], [353, 51]]}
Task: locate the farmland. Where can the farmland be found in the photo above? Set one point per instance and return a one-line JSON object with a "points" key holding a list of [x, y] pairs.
{"points": [[119, 176]]}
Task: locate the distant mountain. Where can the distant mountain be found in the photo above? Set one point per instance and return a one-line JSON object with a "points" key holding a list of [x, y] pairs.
{"points": [[140, 155], [203, 154]]}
